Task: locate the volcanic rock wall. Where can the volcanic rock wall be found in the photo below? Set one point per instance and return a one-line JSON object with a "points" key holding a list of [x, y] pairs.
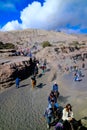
{"points": [[9, 72]]}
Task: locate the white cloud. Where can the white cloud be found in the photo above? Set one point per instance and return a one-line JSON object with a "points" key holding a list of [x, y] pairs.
{"points": [[53, 15], [30, 15], [14, 25]]}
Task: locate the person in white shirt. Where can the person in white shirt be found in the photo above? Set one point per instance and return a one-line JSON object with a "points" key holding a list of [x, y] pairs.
{"points": [[68, 119], [67, 113]]}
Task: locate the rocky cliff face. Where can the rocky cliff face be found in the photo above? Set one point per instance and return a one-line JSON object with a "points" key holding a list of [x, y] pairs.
{"points": [[10, 69]]}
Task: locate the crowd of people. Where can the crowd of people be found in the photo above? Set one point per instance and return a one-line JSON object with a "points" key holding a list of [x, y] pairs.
{"points": [[52, 110], [64, 116], [34, 70], [78, 74], [76, 71], [61, 117]]}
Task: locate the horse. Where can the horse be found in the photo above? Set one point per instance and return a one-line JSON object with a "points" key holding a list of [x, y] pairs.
{"points": [[69, 126]]}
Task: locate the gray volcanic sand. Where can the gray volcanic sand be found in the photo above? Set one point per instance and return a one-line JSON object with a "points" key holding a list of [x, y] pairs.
{"points": [[23, 108], [76, 93]]}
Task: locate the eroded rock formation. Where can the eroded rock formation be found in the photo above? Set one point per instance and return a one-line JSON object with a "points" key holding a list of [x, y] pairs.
{"points": [[10, 70]]}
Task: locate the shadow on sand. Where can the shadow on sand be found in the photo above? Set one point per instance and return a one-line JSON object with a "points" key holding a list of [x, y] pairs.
{"points": [[40, 85], [47, 70], [25, 85], [63, 99], [85, 118], [40, 75]]}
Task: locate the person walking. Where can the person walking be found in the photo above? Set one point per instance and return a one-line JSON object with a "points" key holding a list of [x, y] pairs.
{"points": [[17, 81], [33, 81]]}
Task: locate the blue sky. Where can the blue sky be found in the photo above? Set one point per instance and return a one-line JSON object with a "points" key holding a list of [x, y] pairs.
{"points": [[69, 16]]}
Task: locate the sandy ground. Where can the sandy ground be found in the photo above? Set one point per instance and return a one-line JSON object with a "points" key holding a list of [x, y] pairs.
{"points": [[23, 108], [75, 93]]}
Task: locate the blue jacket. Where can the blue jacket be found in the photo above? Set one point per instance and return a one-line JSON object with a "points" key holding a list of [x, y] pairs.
{"points": [[55, 87], [50, 99], [48, 112], [17, 81]]}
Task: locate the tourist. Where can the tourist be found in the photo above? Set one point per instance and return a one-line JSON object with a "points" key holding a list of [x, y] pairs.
{"points": [[76, 77], [33, 81], [55, 89], [68, 118], [52, 97], [43, 68], [83, 65], [80, 73], [67, 113], [17, 81], [44, 64], [36, 70], [48, 115], [55, 107], [51, 113]]}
